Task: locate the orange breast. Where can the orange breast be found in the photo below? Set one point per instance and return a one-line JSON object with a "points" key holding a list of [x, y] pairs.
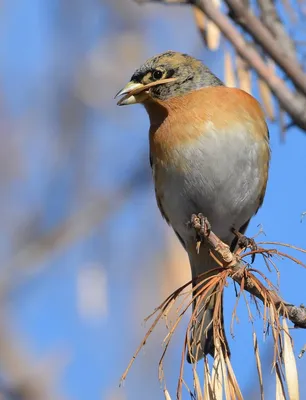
{"points": [[185, 118]]}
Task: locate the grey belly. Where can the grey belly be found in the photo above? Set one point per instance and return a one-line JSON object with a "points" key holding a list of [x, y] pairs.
{"points": [[223, 188]]}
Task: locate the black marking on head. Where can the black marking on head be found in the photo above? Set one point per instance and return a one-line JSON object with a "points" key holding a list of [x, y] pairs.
{"points": [[171, 72], [189, 78], [138, 77]]}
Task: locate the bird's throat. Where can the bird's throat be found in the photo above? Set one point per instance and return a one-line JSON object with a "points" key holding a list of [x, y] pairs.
{"points": [[157, 112]]}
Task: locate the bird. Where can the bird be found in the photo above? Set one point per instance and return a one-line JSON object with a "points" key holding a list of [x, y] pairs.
{"points": [[209, 154]]}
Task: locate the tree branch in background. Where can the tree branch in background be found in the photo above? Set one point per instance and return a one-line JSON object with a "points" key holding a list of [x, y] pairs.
{"points": [[244, 17], [24, 379], [74, 227], [269, 40], [270, 18]]}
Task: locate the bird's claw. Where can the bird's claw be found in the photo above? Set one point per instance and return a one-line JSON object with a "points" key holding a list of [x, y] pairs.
{"points": [[202, 228], [245, 242]]}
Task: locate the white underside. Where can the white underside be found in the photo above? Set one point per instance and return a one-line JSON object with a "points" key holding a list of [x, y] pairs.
{"points": [[221, 179]]}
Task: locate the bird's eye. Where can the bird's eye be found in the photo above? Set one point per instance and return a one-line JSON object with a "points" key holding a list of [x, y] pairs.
{"points": [[157, 74]]}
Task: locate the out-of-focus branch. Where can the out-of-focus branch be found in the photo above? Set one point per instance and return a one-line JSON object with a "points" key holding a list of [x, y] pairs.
{"points": [[265, 39], [23, 379], [291, 104], [274, 43], [296, 314], [78, 225], [271, 20]]}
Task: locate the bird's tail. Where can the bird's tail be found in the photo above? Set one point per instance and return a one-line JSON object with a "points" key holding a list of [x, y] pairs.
{"points": [[202, 330]]}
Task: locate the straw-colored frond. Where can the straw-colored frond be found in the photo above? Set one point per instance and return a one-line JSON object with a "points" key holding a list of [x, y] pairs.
{"points": [[213, 32], [217, 374], [244, 75], [167, 395], [290, 365], [229, 71], [219, 378], [200, 19], [209, 31], [258, 365], [197, 385], [266, 95], [280, 389]]}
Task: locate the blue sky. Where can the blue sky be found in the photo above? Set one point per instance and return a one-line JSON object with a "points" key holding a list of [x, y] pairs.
{"points": [[60, 161]]}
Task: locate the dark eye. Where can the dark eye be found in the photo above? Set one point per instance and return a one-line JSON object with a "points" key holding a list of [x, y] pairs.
{"points": [[156, 74]]}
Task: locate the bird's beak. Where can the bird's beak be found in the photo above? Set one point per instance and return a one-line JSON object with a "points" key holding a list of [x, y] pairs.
{"points": [[137, 92], [132, 93]]}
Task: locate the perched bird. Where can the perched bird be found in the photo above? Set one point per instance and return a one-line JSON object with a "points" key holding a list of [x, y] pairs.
{"points": [[209, 152]]}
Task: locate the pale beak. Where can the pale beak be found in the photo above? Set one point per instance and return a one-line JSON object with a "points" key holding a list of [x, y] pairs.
{"points": [[132, 93], [137, 92]]}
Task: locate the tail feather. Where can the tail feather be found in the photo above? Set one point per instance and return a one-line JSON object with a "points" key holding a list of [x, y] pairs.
{"points": [[202, 331]]}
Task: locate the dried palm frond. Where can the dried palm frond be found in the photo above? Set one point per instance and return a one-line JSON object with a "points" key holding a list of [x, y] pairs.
{"points": [[220, 379]]}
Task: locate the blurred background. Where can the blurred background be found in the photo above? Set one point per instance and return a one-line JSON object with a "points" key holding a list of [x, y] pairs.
{"points": [[85, 255]]}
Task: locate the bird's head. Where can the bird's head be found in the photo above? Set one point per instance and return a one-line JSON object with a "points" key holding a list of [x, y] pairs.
{"points": [[167, 75]]}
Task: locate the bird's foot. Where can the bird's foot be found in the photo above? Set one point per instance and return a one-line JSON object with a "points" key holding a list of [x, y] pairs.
{"points": [[202, 228], [245, 242]]}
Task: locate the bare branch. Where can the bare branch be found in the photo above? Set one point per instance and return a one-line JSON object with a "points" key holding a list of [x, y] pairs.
{"points": [[296, 314], [288, 99], [271, 20], [263, 37]]}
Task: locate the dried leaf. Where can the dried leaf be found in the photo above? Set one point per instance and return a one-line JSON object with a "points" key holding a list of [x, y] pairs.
{"points": [[196, 384], [200, 19], [244, 75], [213, 32], [280, 392], [233, 379], [167, 395], [232, 390], [274, 333], [290, 365], [267, 99], [229, 73], [216, 378], [258, 365], [208, 393], [226, 380]]}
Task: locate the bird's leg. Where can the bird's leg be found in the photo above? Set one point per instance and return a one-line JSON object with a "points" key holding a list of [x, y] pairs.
{"points": [[201, 226], [245, 242]]}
